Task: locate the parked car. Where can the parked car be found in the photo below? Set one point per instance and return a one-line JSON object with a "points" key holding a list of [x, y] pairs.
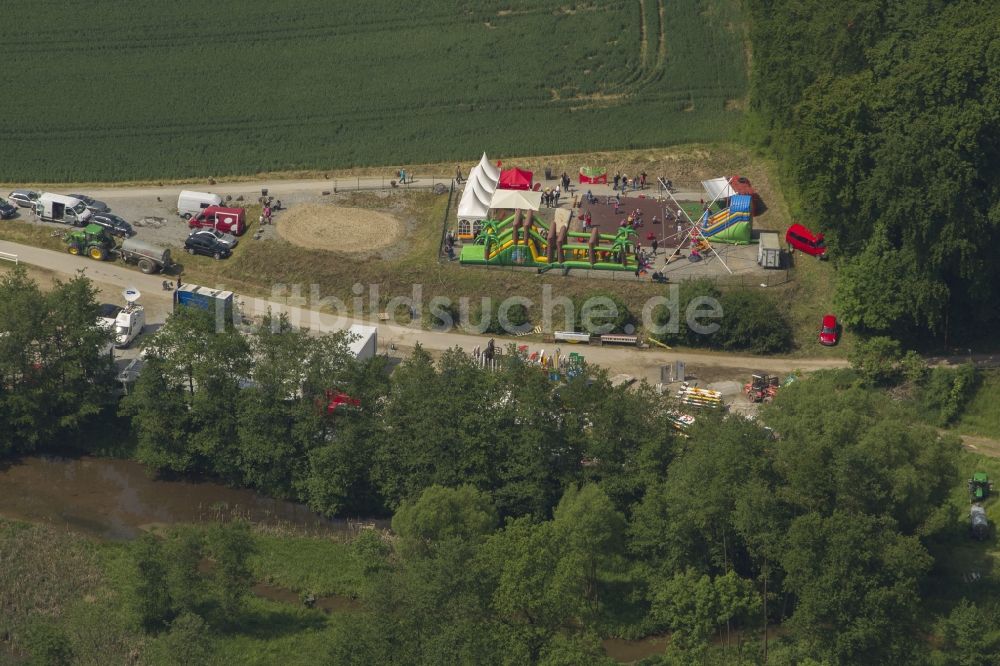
{"points": [[829, 331], [228, 240], [115, 225], [24, 198], [802, 239], [92, 204], [207, 245], [7, 210]]}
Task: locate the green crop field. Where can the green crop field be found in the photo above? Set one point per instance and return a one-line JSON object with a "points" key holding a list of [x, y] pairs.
{"points": [[113, 90]]}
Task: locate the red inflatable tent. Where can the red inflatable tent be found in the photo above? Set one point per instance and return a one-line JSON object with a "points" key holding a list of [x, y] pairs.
{"points": [[515, 179]]}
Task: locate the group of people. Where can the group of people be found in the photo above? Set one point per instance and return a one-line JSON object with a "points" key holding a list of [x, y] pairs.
{"points": [[634, 219], [624, 182], [550, 196]]}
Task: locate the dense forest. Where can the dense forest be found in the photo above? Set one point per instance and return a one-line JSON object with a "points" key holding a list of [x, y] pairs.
{"points": [[887, 116]]}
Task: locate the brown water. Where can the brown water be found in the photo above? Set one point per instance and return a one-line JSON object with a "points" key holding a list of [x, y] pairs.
{"points": [[117, 499]]}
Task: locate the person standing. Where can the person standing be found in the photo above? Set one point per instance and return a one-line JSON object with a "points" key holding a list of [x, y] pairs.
{"points": [[557, 192], [618, 177], [642, 176], [656, 246], [458, 173]]}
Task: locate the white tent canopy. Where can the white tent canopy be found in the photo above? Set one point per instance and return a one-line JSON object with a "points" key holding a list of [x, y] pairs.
{"points": [[475, 202], [718, 188], [514, 199], [491, 170]]}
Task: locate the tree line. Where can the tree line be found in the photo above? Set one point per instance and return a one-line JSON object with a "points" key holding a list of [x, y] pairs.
{"points": [[888, 120]]}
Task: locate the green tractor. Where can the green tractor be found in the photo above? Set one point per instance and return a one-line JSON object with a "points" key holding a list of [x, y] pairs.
{"points": [[92, 240], [979, 486]]}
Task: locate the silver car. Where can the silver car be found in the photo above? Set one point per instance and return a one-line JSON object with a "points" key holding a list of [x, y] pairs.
{"points": [[24, 198], [228, 240]]}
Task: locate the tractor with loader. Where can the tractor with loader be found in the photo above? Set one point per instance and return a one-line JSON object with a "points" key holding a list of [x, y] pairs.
{"points": [[762, 388]]}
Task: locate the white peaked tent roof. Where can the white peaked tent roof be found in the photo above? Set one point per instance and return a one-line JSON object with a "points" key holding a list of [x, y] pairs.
{"points": [[491, 170], [479, 189], [718, 188], [513, 199]]}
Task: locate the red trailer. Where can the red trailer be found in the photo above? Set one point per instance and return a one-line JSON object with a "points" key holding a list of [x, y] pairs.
{"points": [[228, 220]]}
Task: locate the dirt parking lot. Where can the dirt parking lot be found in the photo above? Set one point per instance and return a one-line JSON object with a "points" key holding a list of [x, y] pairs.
{"points": [[317, 217]]}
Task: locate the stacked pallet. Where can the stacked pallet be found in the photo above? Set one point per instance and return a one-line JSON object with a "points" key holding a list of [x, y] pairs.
{"points": [[698, 397]]}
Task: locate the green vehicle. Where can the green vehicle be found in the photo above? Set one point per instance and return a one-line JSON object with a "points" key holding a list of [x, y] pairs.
{"points": [[92, 240], [979, 486]]}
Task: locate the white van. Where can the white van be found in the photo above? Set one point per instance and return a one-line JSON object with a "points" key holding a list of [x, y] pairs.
{"points": [[59, 208], [191, 203]]}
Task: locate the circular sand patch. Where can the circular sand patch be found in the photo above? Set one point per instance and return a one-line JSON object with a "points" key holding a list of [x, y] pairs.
{"points": [[324, 227]]}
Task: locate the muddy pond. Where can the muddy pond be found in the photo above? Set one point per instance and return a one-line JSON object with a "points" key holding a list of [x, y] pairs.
{"points": [[117, 499]]}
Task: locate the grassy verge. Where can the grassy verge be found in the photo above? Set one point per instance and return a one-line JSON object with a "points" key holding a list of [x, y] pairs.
{"points": [[20, 231]]}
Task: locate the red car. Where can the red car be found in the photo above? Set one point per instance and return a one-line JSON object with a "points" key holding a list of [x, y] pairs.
{"points": [[829, 332], [806, 241]]}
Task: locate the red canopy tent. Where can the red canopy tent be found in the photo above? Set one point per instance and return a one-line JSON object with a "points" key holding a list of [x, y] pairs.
{"points": [[515, 179]]}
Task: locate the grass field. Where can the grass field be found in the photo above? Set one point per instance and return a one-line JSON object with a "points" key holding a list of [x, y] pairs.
{"points": [[167, 90], [82, 587], [982, 414]]}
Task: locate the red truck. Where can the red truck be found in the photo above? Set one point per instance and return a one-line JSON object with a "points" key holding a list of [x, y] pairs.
{"points": [[229, 220]]}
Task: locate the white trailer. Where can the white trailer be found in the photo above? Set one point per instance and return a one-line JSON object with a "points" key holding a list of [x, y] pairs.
{"points": [[769, 251], [59, 208], [364, 341]]}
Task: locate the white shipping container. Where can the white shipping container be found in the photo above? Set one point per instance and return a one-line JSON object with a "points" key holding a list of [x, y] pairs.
{"points": [[769, 251]]}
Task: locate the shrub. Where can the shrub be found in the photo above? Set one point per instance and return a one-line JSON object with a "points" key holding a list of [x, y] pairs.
{"points": [[877, 360], [605, 313], [946, 391], [754, 322], [49, 646]]}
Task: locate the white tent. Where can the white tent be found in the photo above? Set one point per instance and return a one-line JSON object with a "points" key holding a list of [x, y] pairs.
{"points": [[474, 206], [514, 199], [718, 188]]}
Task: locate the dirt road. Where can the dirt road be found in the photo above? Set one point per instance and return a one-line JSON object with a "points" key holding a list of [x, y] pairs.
{"points": [[639, 363]]}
